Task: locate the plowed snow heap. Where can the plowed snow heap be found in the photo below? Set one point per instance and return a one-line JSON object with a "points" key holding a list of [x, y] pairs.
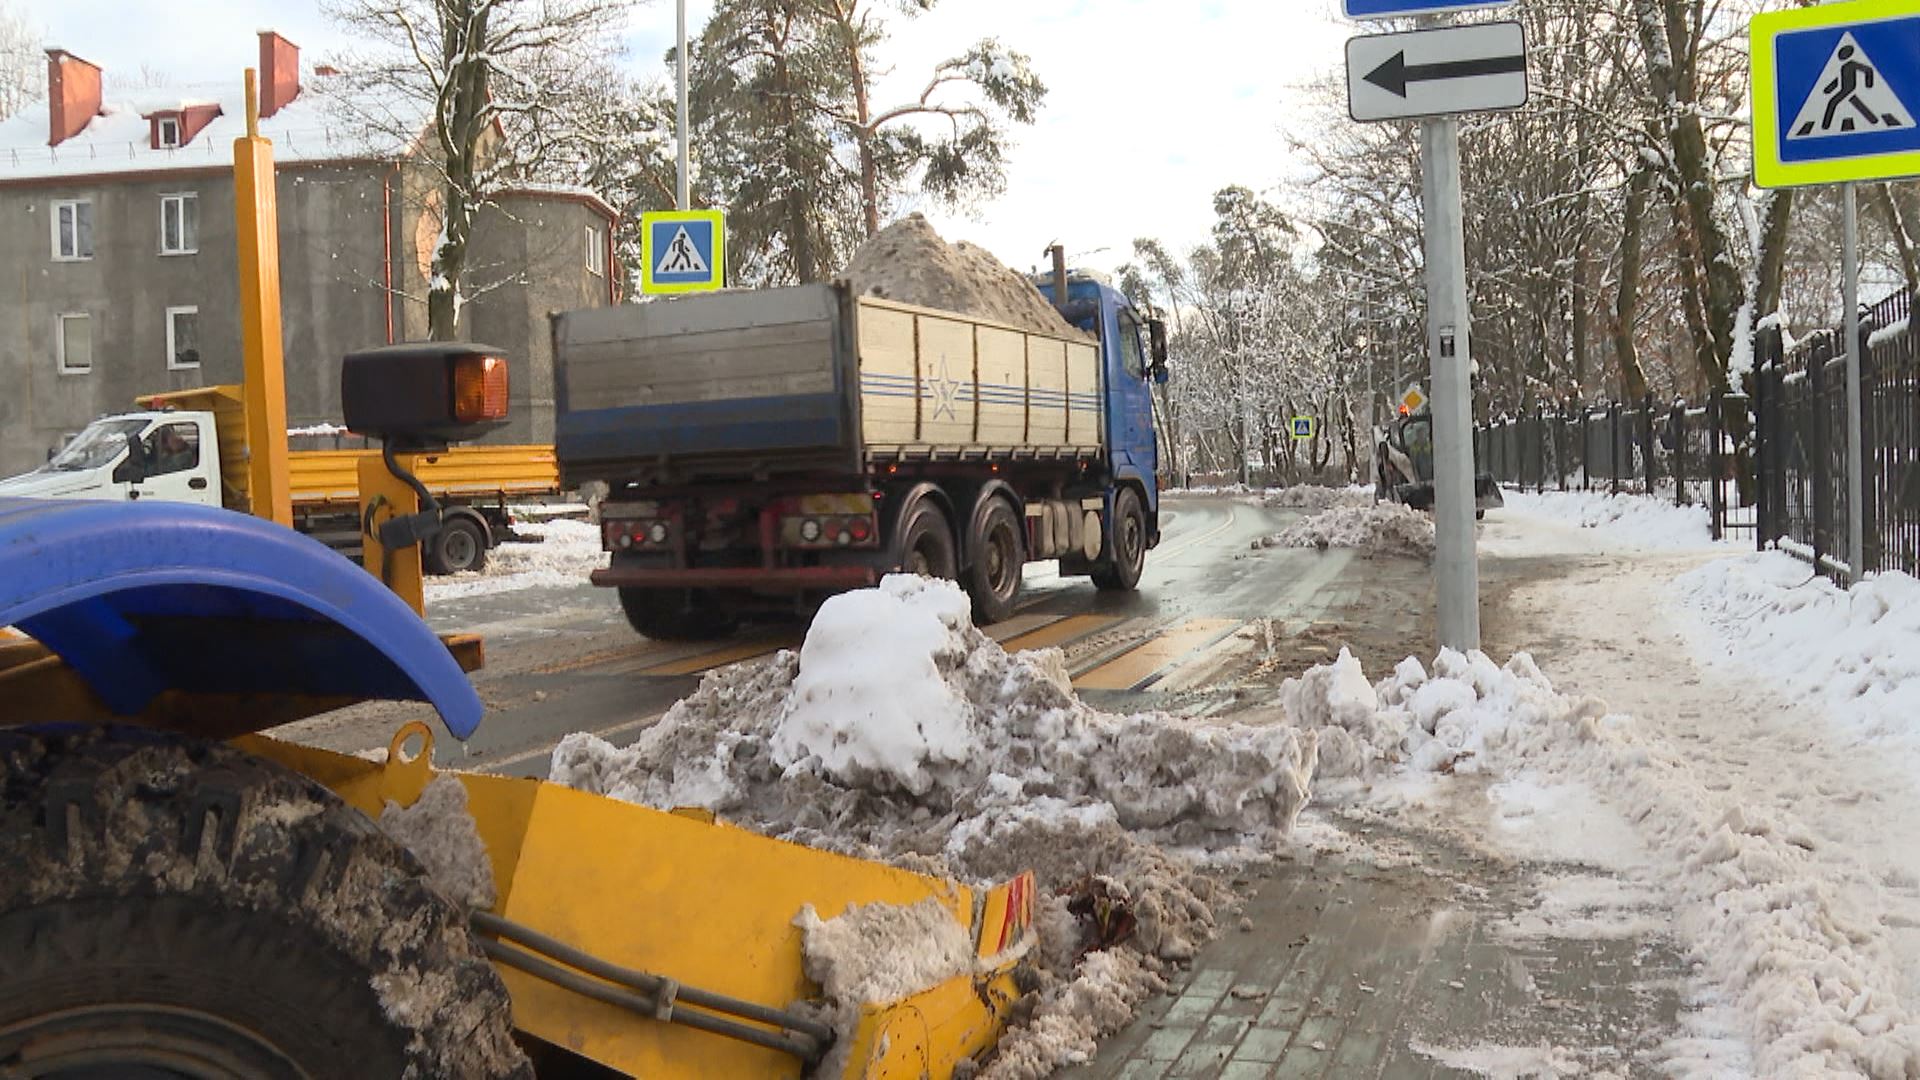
{"points": [[909, 262]]}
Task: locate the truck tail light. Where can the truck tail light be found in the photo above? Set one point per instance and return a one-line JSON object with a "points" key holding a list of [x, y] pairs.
{"points": [[479, 389], [860, 529]]}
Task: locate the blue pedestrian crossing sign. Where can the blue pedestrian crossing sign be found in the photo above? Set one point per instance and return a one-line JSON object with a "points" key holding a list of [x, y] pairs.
{"points": [[1836, 89], [683, 251], [1395, 9], [1304, 427]]}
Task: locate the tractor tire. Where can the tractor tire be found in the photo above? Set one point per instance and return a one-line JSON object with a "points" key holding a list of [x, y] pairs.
{"points": [[997, 543], [676, 614], [459, 547], [1120, 570], [180, 908], [926, 542]]}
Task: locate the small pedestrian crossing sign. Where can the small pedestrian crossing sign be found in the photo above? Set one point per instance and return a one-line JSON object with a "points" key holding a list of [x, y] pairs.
{"points": [[1304, 427], [1835, 92], [1850, 96], [682, 251]]}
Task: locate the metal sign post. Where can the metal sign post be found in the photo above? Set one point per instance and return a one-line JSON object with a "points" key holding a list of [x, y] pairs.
{"points": [[1456, 569], [682, 182], [1439, 72], [1856, 473]]}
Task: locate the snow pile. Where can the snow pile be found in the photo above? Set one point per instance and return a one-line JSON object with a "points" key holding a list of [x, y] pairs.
{"points": [[1853, 652], [317, 430], [439, 830], [1784, 936], [559, 555], [1318, 497], [1376, 528], [909, 262], [1630, 521], [872, 954], [902, 732]]}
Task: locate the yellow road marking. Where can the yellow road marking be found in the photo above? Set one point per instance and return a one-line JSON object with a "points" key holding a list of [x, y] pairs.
{"points": [[1019, 624], [693, 665], [1067, 629], [1136, 666]]}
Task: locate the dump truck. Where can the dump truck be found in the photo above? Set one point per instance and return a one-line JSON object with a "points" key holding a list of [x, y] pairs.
{"points": [[183, 895], [190, 446], [764, 448]]}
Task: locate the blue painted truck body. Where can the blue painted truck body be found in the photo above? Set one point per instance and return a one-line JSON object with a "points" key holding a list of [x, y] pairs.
{"points": [[722, 423]]}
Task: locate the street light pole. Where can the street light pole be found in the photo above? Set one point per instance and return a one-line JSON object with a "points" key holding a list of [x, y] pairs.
{"points": [[680, 191]]}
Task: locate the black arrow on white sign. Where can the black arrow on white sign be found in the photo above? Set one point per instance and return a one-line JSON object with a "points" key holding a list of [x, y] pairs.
{"points": [[1394, 75]]}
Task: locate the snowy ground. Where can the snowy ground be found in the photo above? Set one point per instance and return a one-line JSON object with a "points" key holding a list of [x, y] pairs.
{"points": [[556, 554], [1621, 521]]}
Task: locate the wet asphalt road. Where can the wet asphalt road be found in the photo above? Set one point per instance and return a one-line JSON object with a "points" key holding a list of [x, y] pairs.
{"points": [[1212, 626]]}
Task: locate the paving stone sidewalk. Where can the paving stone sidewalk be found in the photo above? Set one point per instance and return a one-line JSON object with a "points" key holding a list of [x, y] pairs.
{"points": [[1350, 970]]}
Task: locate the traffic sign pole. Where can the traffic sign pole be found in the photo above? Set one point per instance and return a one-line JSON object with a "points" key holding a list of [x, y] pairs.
{"points": [[1456, 563], [683, 179], [1850, 296]]}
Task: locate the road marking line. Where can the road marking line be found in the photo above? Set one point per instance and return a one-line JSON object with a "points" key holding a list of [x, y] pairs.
{"points": [[1068, 629], [1019, 624], [604, 656], [1183, 548], [546, 749], [707, 661], [1139, 665]]}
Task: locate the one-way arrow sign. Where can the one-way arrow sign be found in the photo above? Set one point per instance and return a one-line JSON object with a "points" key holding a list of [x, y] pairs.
{"points": [[1455, 69]]}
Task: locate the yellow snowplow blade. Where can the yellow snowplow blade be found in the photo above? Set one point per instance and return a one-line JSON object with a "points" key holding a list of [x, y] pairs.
{"points": [[702, 903]]}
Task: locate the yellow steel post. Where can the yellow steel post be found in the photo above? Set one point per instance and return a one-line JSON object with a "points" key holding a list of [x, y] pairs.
{"points": [[383, 496], [265, 381]]}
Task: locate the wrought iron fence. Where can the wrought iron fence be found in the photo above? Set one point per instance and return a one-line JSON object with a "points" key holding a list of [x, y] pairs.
{"points": [[1803, 442], [1689, 453]]}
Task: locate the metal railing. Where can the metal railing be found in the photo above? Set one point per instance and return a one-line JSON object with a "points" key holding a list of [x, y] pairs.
{"points": [[1802, 455], [1689, 453]]}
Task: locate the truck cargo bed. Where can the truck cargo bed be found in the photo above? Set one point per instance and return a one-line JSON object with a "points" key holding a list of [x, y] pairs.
{"points": [[810, 379]]}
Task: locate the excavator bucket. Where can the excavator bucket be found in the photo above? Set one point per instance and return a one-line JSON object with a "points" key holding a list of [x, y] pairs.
{"points": [[666, 944]]}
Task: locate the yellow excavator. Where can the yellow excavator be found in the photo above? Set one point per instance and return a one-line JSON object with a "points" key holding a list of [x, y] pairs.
{"points": [[181, 895]]}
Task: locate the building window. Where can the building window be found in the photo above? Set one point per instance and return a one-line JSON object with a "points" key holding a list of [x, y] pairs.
{"points": [[169, 132], [596, 251], [179, 224], [73, 343], [73, 229], [183, 338]]}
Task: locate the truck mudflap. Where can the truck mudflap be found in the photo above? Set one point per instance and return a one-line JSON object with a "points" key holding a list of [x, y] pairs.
{"points": [[161, 607]]}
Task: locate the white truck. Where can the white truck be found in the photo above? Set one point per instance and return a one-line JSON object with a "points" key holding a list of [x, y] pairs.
{"points": [[190, 446]]}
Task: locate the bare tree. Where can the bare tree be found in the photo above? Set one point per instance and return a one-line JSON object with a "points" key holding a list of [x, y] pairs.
{"points": [[23, 67], [484, 85]]}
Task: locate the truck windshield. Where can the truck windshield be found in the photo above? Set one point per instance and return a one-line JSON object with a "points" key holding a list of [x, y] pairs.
{"points": [[99, 444]]}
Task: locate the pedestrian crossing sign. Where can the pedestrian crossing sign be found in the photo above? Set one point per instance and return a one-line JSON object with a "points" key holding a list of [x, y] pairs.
{"points": [[683, 251], [1304, 427], [1835, 92]]}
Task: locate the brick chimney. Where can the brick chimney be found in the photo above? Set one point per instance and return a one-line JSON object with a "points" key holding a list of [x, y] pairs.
{"points": [[279, 73], [73, 95]]}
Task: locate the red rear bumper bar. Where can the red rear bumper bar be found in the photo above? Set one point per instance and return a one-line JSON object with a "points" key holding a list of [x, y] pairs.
{"points": [[740, 577]]}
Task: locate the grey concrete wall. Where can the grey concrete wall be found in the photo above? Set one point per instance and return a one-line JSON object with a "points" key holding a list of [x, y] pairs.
{"points": [[339, 278]]}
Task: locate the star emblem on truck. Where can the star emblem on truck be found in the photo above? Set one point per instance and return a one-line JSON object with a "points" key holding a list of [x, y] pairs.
{"points": [[946, 392]]}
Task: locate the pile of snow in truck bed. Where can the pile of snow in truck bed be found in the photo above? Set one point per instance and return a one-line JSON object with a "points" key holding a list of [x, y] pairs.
{"points": [[1376, 528], [909, 262]]}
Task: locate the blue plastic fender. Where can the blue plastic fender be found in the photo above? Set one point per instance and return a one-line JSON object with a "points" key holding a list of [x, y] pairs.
{"points": [[139, 598]]}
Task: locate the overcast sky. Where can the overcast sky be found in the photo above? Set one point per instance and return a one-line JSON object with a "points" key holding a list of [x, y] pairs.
{"points": [[1152, 105]]}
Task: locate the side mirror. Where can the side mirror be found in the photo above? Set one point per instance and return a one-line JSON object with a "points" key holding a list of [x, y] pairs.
{"points": [[1157, 335]]}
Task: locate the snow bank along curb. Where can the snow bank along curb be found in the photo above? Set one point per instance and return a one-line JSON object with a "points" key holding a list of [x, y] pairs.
{"points": [[1854, 653], [1632, 521], [563, 553], [902, 732], [1376, 528], [1812, 978]]}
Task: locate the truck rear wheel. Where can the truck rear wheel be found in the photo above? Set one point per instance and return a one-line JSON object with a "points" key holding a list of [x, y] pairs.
{"points": [[926, 543], [676, 614], [180, 908], [459, 547], [1120, 570], [993, 578]]}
